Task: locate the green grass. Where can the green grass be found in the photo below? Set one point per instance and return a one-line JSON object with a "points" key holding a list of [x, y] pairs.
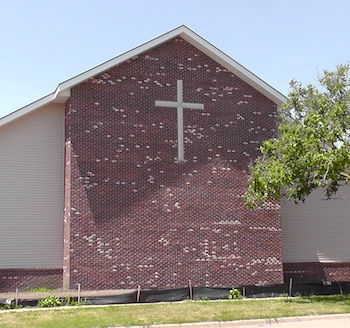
{"points": [[187, 311]]}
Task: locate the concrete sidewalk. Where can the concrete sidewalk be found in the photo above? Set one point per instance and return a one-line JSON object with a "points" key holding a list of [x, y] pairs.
{"points": [[319, 321]]}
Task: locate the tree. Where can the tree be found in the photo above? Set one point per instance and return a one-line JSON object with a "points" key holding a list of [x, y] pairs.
{"points": [[312, 149]]}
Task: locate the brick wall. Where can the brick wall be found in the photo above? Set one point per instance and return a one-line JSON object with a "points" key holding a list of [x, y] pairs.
{"points": [[133, 215], [316, 272], [25, 279]]}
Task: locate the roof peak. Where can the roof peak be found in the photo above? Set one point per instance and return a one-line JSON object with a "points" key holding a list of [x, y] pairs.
{"points": [[62, 92]]}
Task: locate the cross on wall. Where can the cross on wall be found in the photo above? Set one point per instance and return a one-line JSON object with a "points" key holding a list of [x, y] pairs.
{"points": [[180, 105]]}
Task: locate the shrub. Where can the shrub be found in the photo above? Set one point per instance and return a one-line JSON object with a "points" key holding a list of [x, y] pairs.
{"points": [[53, 301], [9, 306], [50, 301], [235, 294]]}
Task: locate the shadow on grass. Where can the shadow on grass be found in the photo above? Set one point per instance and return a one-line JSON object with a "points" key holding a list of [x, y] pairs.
{"points": [[324, 299]]}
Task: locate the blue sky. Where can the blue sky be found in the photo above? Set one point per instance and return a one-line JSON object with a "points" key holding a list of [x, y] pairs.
{"points": [[45, 42]]}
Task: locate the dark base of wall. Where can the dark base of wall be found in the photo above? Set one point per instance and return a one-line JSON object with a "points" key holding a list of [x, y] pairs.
{"points": [[315, 272], [308, 272], [25, 279]]}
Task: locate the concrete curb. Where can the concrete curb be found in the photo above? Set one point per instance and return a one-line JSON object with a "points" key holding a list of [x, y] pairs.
{"points": [[249, 323]]}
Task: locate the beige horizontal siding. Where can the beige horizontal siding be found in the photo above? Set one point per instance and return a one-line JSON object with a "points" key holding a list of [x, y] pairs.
{"points": [[317, 230], [32, 190]]}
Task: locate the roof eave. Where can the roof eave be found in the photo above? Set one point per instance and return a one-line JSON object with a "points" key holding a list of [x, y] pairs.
{"points": [[200, 43], [62, 92], [233, 66], [27, 109]]}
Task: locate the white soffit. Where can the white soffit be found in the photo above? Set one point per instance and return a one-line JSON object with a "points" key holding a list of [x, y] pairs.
{"points": [[62, 92]]}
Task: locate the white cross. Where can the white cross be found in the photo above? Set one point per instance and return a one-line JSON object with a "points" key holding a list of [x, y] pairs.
{"points": [[180, 105]]}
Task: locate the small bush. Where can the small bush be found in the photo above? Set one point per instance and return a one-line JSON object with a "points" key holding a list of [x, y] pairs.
{"points": [[53, 301], [235, 294], [50, 301], [9, 305]]}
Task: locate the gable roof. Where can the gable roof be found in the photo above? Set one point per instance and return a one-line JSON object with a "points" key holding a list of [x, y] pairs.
{"points": [[62, 92]]}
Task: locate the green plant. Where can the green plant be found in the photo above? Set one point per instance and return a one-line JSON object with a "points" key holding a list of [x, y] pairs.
{"points": [[53, 301], [50, 301], [68, 301], [84, 301], [9, 306], [235, 294]]}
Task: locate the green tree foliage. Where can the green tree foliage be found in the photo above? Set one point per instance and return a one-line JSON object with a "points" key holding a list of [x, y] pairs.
{"points": [[312, 148]]}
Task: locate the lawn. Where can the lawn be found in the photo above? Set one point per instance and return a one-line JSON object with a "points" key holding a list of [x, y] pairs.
{"points": [[180, 312]]}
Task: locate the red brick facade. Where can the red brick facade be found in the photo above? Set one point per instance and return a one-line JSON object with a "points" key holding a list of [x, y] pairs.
{"points": [[133, 215], [24, 279], [316, 272]]}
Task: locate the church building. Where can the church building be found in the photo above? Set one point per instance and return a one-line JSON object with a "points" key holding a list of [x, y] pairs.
{"points": [[132, 174]]}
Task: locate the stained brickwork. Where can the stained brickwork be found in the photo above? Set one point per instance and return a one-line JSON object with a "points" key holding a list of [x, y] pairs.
{"points": [[133, 214], [25, 279], [316, 272]]}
